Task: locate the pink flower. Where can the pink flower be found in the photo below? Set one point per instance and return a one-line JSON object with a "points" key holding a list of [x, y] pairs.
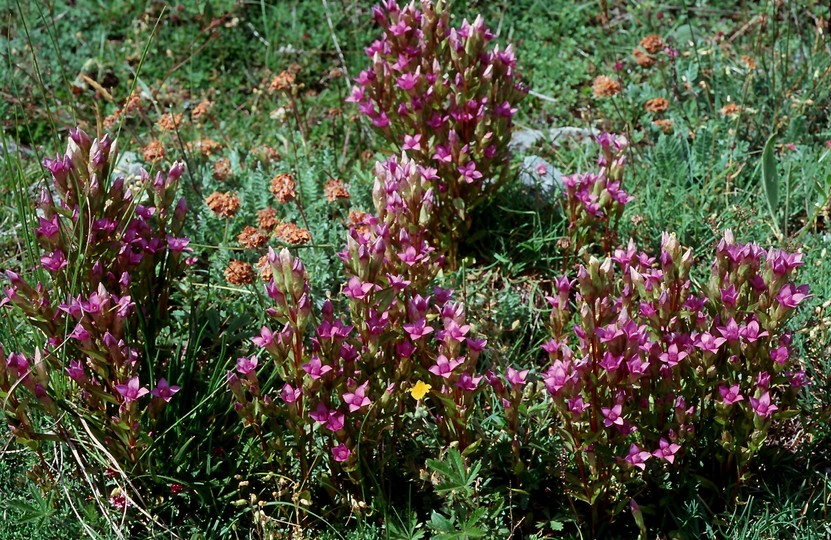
{"points": [[666, 450], [515, 377], [357, 289], [444, 367], [246, 365], [341, 453], [418, 329], [76, 371], [672, 356], [780, 354], [709, 343], [730, 395], [468, 383], [289, 394], [54, 262], [357, 399], [315, 368], [791, 296], [164, 391], [763, 406], [132, 390], [412, 142], [612, 416], [638, 457], [469, 172]]}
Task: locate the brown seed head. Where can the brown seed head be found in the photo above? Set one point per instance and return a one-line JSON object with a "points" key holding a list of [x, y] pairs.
{"points": [[222, 169], [731, 109], [169, 122], [664, 124], [239, 273], [225, 205], [201, 109], [334, 190], [266, 154], [282, 81], [748, 63], [283, 188], [264, 267], [252, 238], [205, 147], [657, 105], [652, 43], [604, 87], [643, 59], [267, 218], [154, 152], [292, 234]]}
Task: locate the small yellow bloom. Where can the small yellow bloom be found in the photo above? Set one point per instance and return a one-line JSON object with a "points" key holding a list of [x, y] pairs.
{"points": [[420, 390]]}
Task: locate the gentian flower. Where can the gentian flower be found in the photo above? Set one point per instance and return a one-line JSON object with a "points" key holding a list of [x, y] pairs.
{"points": [[164, 391], [131, 391], [666, 450]]}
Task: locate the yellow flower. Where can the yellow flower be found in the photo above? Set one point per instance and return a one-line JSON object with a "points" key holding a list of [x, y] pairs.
{"points": [[420, 390]]}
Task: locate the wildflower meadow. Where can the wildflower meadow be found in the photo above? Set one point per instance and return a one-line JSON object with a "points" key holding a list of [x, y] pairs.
{"points": [[338, 269]]}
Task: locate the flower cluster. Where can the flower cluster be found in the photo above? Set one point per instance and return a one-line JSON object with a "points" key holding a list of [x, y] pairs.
{"points": [[594, 201], [348, 378], [111, 255], [445, 97], [656, 369]]}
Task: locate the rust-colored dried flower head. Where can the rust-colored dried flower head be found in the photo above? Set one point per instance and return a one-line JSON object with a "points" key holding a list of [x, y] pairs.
{"points": [[657, 105], [239, 273], [604, 87], [132, 104], [264, 267], [169, 122], [201, 109], [334, 112], [282, 81], [222, 169], [294, 69], [664, 124], [110, 120], [359, 220], [731, 109], [643, 59], [205, 147], [225, 205], [334, 190], [748, 62], [267, 218], [154, 152], [652, 43], [266, 154], [283, 188], [335, 73], [252, 238], [292, 234]]}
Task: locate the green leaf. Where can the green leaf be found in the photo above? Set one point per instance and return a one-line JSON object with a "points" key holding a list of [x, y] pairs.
{"points": [[770, 178]]}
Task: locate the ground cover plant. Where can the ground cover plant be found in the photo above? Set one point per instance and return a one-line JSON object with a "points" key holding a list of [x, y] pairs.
{"points": [[331, 269]]}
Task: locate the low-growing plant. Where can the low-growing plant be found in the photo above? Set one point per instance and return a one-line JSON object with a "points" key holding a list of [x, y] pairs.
{"points": [[112, 253], [660, 374], [445, 97]]}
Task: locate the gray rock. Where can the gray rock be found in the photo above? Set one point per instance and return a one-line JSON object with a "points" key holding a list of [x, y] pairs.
{"points": [[540, 176]]}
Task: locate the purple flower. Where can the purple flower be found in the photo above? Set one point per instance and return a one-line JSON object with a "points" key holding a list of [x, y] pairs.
{"points": [[341, 453], [132, 390], [672, 356], [357, 289], [516, 377], [164, 391], [246, 365], [357, 399], [289, 394], [612, 415], [444, 367], [751, 332], [729, 296], [637, 457], [418, 329], [76, 371], [763, 406], [412, 142], [468, 383], [178, 245], [315, 368], [469, 172], [48, 228], [408, 81], [265, 339], [666, 450], [791, 296], [731, 331], [730, 395], [709, 343], [780, 354], [54, 262]]}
